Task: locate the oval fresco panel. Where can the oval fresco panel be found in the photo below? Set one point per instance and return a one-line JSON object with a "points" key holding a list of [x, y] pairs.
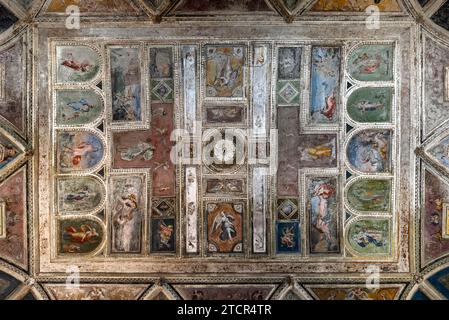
{"points": [[370, 236], [80, 194], [76, 107], [372, 62], [76, 64], [369, 151], [78, 151], [370, 105], [82, 235], [370, 195]]}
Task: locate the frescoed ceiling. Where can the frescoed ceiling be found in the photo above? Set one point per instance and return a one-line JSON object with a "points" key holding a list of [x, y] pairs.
{"points": [[234, 150]]}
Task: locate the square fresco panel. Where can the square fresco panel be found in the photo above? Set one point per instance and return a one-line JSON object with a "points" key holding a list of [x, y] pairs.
{"points": [[77, 64], [79, 195], [225, 71], [132, 149], [370, 195], [372, 62], [371, 105], [369, 151], [370, 237], [288, 92], [287, 209], [318, 151], [78, 151], [78, 107], [80, 236]]}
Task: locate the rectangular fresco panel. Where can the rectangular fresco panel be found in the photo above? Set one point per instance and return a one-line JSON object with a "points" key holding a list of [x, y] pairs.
{"points": [[224, 225], [128, 209], [229, 115], [191, 210], [288, 237], [161, 63], [289, 63], [126, 84], [163, 225], [13, 219], [12, 85], [163, 233], [325, 84], [161, 74], [259, 208], [261, 67], [323, 209], [163, 169], [132, 149], [225, 186], [225, 71], [189, 64], [318, 151], [98, 6], [287, 173]]}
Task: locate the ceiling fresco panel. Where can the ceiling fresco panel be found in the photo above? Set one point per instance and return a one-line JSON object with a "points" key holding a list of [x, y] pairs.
{"points": [[213, 157]]}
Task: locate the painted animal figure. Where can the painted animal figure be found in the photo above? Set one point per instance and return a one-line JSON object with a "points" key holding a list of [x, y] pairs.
{"points": [[84, 235]]}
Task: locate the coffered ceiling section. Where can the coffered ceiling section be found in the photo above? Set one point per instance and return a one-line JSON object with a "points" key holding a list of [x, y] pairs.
{"points": [[284, 152]]}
